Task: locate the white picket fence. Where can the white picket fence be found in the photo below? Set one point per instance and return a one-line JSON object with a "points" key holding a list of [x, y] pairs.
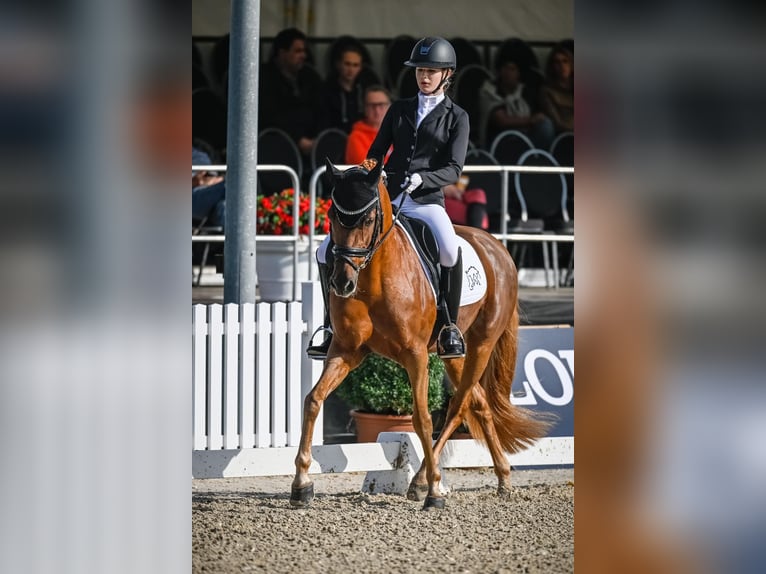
{"points": [[250, 375]]}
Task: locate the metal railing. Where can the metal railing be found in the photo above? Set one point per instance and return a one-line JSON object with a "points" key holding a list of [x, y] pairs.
{"points": [[294, 238], [503, 236]]}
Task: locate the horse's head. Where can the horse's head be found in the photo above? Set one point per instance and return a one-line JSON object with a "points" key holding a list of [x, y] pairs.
{"points": [[356, 219]]}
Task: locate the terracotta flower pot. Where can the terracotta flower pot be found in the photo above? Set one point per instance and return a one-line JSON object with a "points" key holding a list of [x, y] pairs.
{"points": [[369, 425]]}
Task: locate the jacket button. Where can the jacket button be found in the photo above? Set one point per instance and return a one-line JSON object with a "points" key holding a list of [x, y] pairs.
{"points": [[408, 160], [412, 147]]}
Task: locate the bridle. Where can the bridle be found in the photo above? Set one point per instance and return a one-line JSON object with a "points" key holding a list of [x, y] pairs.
{"points": [[347, 253]]}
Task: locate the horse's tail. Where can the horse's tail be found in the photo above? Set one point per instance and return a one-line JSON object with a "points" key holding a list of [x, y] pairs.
{"points": [[516, 428]]}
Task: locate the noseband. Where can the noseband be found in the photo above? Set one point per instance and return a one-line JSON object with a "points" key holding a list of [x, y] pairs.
{"points": [[346, 253]]}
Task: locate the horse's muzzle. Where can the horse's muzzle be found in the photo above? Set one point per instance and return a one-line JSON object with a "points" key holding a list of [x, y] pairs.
{"points": [[343, 282]]}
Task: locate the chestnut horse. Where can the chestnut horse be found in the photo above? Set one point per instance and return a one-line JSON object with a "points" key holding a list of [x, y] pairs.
{"points": [[381, 301]]}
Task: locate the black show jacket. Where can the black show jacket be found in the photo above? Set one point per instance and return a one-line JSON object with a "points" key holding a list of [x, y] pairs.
{"points": [[436, 150]]}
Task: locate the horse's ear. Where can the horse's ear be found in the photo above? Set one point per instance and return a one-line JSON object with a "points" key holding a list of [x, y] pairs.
{"points": [[331, 169], [374, 175], [328, 177]]}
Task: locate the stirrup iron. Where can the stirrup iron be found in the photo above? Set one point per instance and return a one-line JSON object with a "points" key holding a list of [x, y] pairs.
{"points": [[319, 352]]}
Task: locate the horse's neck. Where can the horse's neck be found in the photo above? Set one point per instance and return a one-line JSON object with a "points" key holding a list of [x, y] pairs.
{"points": [[395, 258], [386, 206]]}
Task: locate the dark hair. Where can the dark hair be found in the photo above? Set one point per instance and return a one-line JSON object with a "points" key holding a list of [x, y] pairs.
{"points": [[377, 88], [519, 52], [207, 148], [284, 40], [349, 48]]}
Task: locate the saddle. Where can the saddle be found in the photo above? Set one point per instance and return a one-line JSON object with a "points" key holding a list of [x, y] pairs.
{"points": [[425, 244], [428, 251]]}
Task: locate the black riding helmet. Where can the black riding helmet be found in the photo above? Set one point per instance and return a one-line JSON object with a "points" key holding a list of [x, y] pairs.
{"points": [[432, 52]]}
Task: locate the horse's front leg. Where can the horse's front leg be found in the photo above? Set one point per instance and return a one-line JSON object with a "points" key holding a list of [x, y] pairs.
{"points": [[416, 365], [335, 370]]}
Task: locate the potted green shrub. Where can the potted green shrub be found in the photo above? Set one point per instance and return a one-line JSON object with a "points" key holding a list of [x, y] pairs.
{"points": [[379, 392]]}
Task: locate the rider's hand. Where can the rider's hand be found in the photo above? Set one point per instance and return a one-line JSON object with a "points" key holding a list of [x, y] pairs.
{"points": [[412, 182]]}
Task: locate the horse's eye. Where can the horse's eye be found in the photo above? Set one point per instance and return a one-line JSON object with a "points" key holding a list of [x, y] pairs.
{"points": [[369, 221]]}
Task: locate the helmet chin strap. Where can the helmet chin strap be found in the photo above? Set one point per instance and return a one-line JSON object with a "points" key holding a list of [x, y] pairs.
{"points": [[445, 77], [439, 87]]}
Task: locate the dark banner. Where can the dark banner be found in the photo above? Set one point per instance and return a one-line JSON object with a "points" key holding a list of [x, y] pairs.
{"points": [[544, 378]]}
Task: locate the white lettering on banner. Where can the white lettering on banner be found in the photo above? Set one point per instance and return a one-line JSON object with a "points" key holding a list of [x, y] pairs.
{"points": [[568, 356], [532, 386]]}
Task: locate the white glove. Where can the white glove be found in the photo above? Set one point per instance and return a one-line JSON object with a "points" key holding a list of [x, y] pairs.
{"points": [[412, 182]]}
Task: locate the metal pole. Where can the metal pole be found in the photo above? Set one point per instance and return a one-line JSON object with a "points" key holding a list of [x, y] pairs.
{"points": [[242, 153]]}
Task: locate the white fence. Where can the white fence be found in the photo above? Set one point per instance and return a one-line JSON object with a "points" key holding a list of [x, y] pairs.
{"points": [[250, 373], [249, 378]]}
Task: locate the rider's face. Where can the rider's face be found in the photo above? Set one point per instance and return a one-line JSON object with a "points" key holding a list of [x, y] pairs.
{"points": [[430, 78]]}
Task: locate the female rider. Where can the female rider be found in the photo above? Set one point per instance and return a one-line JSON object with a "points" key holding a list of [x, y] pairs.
{"points": [[429, 134]]}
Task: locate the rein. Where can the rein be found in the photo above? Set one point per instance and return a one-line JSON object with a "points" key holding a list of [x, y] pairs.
{"points": [[346, 253]]}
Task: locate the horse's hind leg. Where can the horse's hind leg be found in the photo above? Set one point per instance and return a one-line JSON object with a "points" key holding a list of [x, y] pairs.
{"points": [[335, 369], [483, 413], [473, 367], [466, 373], [476, 401], [416, 364], [419, 484], [418, 488]]}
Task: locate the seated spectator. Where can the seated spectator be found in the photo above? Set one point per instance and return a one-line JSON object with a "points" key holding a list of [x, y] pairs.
{"points": [[377, 100], [557, 94], [466, 206], [290, 92], [208, 189], [343, 92], [510, 103]]}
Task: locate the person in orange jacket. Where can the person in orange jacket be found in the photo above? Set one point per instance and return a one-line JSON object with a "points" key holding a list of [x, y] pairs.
{"points": [[377, 100]]}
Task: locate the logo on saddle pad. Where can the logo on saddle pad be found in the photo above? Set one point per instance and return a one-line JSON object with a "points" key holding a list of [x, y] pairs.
{"points": [[474, 277]]}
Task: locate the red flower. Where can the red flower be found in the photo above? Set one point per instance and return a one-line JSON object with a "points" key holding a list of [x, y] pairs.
{"points": [[275, 214]]}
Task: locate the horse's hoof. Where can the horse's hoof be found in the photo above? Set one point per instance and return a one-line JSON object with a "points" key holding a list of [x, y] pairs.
{"points": [[417, 492], [302, 497], [503, 492], [434, 502]]}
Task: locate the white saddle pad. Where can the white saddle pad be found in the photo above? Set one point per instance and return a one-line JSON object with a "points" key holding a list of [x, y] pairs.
{"points": [[474, 276]]}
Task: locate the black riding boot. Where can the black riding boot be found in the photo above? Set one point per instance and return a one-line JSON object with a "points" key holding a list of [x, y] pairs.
{"points": [[450, 343], [319, 352]]}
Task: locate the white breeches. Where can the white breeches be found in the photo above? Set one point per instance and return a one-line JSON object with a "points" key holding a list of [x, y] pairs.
{"points": [[437, 220]]}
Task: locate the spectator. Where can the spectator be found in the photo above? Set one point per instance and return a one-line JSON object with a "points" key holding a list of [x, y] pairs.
{"points": [[509, 103], [557, 94], [290, 92], [208, 189], [343, 92], [377, 100], [466, 206]]}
